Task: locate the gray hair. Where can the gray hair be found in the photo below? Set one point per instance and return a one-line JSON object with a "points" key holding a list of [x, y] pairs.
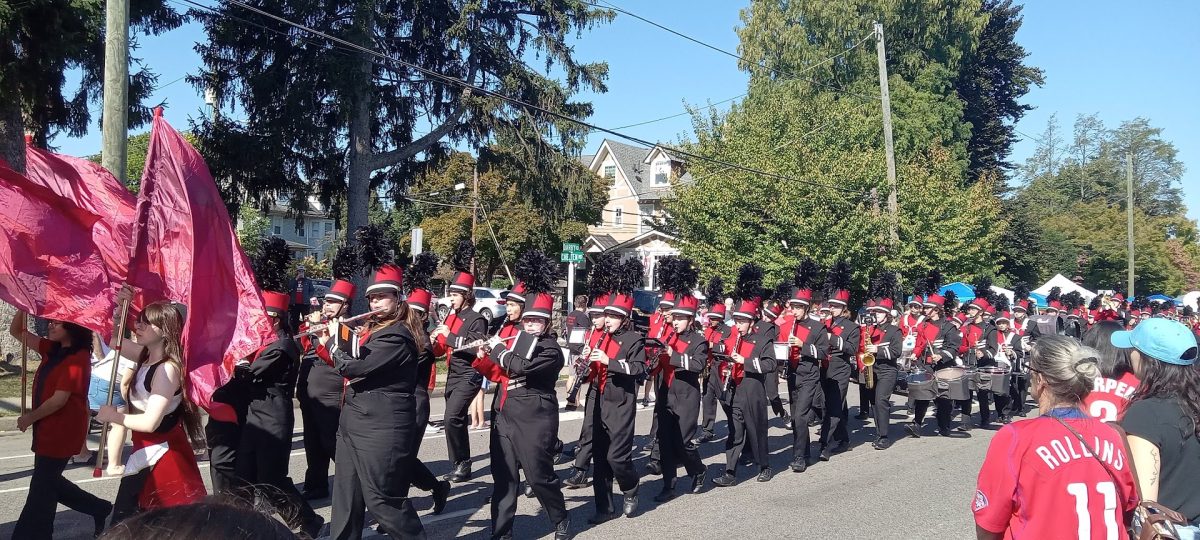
{"points": [[1068, 368]]}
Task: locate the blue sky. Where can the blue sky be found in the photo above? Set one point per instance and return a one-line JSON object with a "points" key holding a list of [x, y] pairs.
{"points": [[1099, 57]]}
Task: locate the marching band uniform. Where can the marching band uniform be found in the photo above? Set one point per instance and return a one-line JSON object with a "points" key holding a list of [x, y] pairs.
{"points": [[715, 333], [1020, 385], [659, 329], [941, 340], [526, 423], [835, 378], [583, 448], [993, 355], [766, 329], [378, 426], [613, 398], [889, 341], [422, 477], [462, 381], [678, 404], [319, 392], [973, 333], [748, 411], [804, 373], [266, 443]]}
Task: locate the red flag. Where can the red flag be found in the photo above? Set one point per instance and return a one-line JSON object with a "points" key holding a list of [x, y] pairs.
{"points": [[188, 243], [49, 264]]}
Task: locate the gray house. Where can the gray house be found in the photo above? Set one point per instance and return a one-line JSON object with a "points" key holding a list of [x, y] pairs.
{"points": [[315, 236]]}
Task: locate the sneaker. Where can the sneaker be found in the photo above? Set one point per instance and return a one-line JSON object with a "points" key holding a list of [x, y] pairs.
{"points": [[882, 443], [578, 480], [765, 475], [725, 480], [913, 429]]}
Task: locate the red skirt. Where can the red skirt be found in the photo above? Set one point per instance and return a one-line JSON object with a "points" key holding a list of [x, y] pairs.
{"points": [[174, 478]]}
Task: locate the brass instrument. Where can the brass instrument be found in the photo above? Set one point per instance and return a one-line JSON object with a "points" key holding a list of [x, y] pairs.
{"points": [[322, 327], [580, 364], [868, 361]]}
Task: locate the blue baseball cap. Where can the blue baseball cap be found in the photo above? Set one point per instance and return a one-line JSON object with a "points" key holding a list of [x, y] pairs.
{"points": [[1162, 339]]}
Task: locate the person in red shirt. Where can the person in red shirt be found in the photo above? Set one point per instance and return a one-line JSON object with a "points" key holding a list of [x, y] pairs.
{"points": [[1116, 383], [1063, 474], [58, 417]]}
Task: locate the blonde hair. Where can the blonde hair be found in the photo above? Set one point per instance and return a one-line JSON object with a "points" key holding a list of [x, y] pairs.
{"points": [[1068, 368]]}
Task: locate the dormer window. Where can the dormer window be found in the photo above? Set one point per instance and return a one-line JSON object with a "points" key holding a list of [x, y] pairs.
{"points": [[610, 172], [662, 172]]}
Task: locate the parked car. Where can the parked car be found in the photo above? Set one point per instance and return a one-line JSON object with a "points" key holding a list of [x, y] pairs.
{"points": [[487, 303], [320, 287]]}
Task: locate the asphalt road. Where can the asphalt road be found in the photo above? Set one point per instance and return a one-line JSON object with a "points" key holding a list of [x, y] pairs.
{"points": [[919, 488]]}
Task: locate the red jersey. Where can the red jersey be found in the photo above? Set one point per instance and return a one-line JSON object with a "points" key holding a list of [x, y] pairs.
{"points": [[62, 433], [909, 324], [1040, 481], [1109, 397]]}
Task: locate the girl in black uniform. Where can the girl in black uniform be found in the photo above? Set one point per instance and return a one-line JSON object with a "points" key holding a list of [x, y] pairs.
{"points": [[419, 298], [319, 391], [378, 427]]}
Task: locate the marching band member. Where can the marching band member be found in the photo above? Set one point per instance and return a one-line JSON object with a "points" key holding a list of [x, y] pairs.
{"points": [[462, 326], [912, 318], [835, 378], [419, 300], [974, 329], [319, 392], [808, 343], [886, 342], [678, 404], [1020, 326], [768, 328], [526, 364], [715, 331], [621, 356], [1000, 349], [940, 350], [378, 426], [657, 330]]}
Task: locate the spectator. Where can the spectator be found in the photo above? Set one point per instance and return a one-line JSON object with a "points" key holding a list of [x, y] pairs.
{"points": [[1163, 418], [205, 520], [302, 290], [1116, 383], [1037, 480], [575, 328]]}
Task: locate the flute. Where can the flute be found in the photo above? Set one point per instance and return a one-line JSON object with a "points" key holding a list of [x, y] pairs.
{"points": [[480, 342], [322, 327]]}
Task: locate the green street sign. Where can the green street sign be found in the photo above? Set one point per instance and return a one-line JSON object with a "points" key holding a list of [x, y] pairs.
{"points": [[569, 247], [572, 257]]}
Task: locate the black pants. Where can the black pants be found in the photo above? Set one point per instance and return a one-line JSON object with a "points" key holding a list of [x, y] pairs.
{"points": [[374, 457], [835, 381], [885, 384], [943, 410], [985, 398], [320, 419], [48, 488], [460, 392], [803, 384], [223, 440], [712, 394], [263, 457], [1017, 393], [866, 396], [748, 424], [612, 445], [525, 441], [297, 312], [422, 478], [680, 405], [583, 448]]}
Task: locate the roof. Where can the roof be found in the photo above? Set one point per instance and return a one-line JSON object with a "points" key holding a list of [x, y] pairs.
{"points": [[604, 241], [1065, 285], [297, 246], [632, 161], [643, 237], [586, 159]]}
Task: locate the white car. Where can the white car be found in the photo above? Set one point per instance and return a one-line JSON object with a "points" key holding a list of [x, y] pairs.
{"points": [[487, 302]]}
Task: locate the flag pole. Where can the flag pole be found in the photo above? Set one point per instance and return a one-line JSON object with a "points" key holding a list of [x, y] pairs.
{"points": [[24, 368]]}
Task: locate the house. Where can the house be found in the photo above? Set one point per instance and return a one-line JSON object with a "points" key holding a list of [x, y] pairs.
{"points": [[315, 236], [640, 180]]}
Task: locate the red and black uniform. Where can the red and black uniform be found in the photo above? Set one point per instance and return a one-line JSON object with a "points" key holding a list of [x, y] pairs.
{"points": [[462, 381], [937, 346], [659, 330], [973, 336], [1020, 385], [835, 380], [319, 390], [804, 376], [56, 438], [712, 385], [613, 398], [890, 342], [583, 449], [678, 405], [747, 410], [991, 356]]}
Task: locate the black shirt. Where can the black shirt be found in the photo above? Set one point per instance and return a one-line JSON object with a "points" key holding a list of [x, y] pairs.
{"points": [[1163, 423]]}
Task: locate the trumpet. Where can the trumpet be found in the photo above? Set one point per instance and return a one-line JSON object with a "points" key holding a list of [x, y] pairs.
{"points": [[322, 327]]}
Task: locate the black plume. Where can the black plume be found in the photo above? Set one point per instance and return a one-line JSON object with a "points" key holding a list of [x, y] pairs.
{"points": [[1095, 303], [630, 276], [1072, 300], [371, 244], [951, 303], [1188, 311], [1020, 291], [538, 271], [602, 275], [749, 282], [271, 265], [808, 275], [664, 272], [463, 254], [839, 278], [714, 292], [418, 274], [1001, 303], [782, 292], [983, 288], [933, 281], [681, 277], [1055, 294], [885, 285], [345, 262]]}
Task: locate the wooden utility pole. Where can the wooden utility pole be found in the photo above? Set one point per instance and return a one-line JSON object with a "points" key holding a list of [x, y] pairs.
{"points": [[115, 124], [474, 210], [889, 149], [1129, 217]]}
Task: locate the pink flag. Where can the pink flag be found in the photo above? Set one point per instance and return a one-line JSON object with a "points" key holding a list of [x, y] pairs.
{"points": [[189, 246], [50, 266]]}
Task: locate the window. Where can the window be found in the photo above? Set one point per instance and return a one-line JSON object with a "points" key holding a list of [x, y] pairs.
{"points": [[610, 171], [483, 294], [300, 232], [662, 172], [328, 227], [278, 229], [618, 217]]}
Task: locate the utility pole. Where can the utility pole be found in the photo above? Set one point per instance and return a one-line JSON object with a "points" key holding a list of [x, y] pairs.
{"points": [[475, 208], [1129, 215], [115, 128], [890, 151]]}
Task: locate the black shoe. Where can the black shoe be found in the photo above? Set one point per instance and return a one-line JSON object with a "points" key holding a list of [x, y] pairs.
{"points": [[666, 495], [800, 465], [698, 482], [562, 531], [441, 493], [653, 468], [578, 480], [314, 494], [601, 518], [1005, 419], [765, 475], [826, 453], [841, 447], [312, 526], [725, 480], [631, 505], [101, 518], [943, 432], [528, 490], [705, 437], [461, 473], [789, 425], [862, 416], [882, 443], [914, 429], [570, 407]]}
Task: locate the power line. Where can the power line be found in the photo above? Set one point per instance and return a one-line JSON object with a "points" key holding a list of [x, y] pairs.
{"points": [[529, 107], [677, 115]]}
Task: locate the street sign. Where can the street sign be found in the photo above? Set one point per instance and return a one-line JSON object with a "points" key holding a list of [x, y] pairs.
{"points": [[571, 253], [418, 241]]}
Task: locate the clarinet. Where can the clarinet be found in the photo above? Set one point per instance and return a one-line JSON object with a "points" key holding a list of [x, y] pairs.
{"points": [[727, 366], [581, 365]]}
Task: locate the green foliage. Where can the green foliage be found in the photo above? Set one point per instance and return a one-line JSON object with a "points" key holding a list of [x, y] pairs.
{"points": [[138, 147], [312, 268], [252, 228]]}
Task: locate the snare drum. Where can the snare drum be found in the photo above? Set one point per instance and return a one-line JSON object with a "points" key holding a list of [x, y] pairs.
{"points": [[921, 386], [970, 374], [993, 378], [952, 384]]}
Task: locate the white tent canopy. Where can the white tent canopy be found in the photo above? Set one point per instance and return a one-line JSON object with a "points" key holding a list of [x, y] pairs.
{"points": [[1189, 299], [1066, 286]]}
